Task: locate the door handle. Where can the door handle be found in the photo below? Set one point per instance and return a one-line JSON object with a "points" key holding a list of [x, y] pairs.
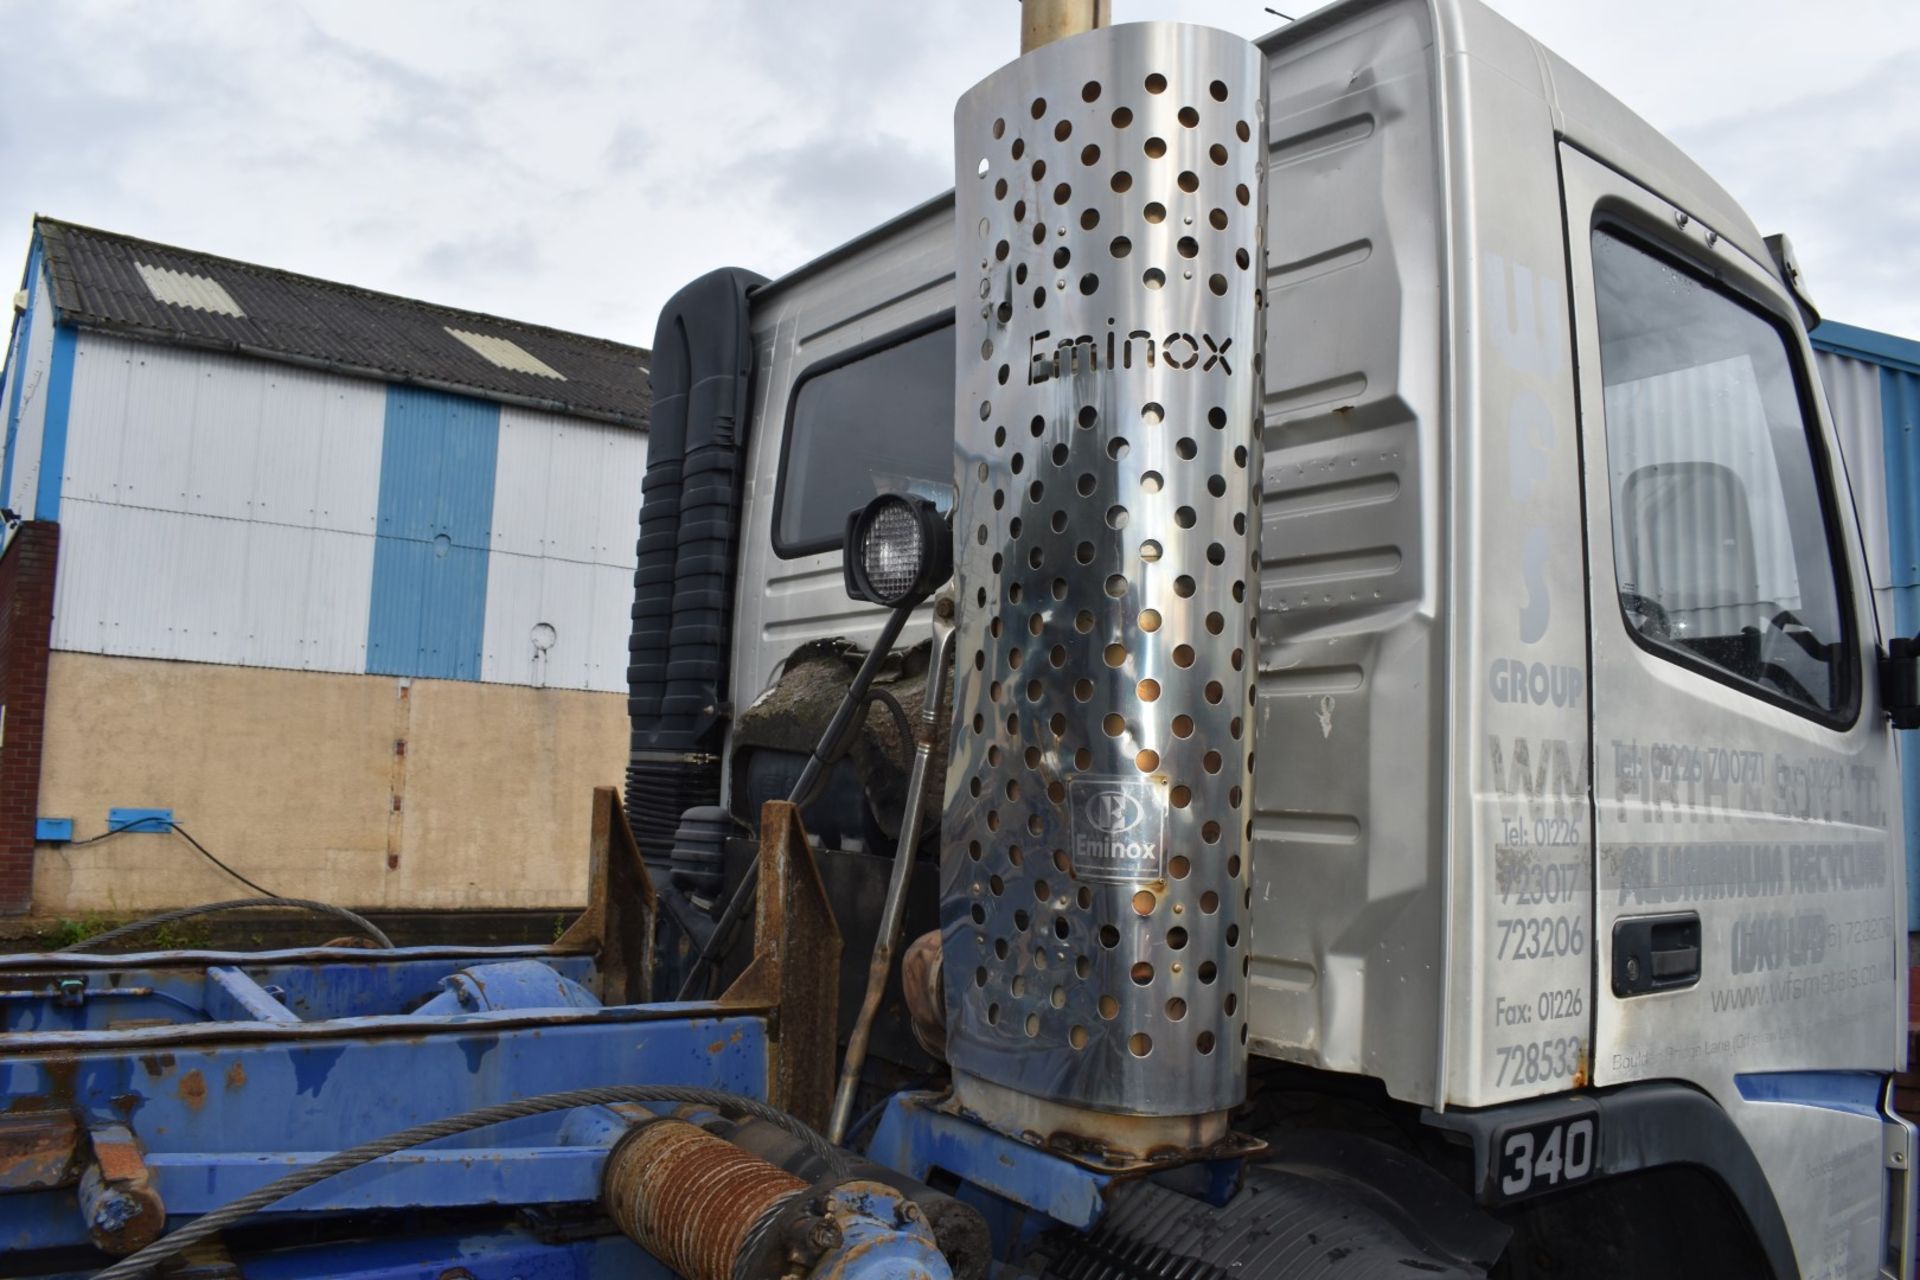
{"points": [[1656, 953]]}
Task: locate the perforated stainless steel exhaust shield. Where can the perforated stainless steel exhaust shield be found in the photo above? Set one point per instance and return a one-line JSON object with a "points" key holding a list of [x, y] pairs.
{"points": [[1110, 264]]}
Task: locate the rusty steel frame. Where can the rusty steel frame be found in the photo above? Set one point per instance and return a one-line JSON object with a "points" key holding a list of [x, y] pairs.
{"points": [[622, 908], [795, 968]]}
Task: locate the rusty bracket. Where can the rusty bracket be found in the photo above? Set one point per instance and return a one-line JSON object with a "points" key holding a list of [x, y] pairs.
{"points": [[38, 1150], [795, 968], [618, 924], [123, 1211]]}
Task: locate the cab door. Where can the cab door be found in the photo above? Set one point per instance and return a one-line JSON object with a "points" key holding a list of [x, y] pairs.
{"points": [[1746, 886]]}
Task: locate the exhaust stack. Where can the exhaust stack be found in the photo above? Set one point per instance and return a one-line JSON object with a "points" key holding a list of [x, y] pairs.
{"points": [[1094, 877], [1044, 21]]}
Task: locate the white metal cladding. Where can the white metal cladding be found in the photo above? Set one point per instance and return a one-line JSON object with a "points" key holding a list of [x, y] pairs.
{"points": [[33, 402], [159, 584], [565, 505], [210, 435], [216, 509], [1853, 402]]}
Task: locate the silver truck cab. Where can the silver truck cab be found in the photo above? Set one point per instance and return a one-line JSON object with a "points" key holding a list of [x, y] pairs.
{"points": [[1573, 818]]}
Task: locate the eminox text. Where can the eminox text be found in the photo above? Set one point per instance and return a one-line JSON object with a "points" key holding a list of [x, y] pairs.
{"points": [[1049, 358]]}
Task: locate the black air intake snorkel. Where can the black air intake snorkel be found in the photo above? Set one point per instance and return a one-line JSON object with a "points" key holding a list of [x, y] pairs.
{"points": [[684, 581]]}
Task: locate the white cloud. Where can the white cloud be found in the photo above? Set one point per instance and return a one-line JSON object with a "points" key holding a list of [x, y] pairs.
{"points": [[575, 164]]}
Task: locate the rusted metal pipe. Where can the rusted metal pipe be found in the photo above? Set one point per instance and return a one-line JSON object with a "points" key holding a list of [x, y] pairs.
{"points": [[123, 1211], [691, 1199], [1044, 21], [887, 940]]}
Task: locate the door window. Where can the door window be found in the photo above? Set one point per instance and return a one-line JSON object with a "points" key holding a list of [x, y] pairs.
{"points": [[1720, 535]]}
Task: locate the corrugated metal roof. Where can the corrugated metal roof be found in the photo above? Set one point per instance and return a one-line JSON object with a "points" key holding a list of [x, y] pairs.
{"points": [[101, 280]]}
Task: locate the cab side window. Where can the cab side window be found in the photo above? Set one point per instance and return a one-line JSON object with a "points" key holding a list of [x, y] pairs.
{"points": [[879, 422], [1720, 534]]}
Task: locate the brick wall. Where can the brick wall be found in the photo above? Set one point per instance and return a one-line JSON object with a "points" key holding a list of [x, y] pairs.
{"points": [[26, 625]]}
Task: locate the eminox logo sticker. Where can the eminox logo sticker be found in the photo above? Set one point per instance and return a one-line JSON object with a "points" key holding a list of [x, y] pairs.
{"points": [[1118, 828], [1049, 357]]}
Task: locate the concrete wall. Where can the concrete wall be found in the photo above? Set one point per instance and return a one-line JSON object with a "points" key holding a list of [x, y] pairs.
{"points": [[367, 791]]}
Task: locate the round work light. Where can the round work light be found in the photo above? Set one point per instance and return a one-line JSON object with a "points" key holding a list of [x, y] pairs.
{"points": [[898, 550]]}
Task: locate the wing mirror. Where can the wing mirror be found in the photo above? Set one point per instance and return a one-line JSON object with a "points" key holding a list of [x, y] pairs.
{"points": [[1900, 682]]}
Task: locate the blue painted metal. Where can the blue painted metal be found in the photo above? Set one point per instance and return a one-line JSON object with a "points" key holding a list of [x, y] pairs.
{"points": [[1884, 349], [16, 365], [1855, 1092], [232, 996], [429, 605], [53, 435], [218, 1119], [916, 1138], [883, 1236], [1900, 439], [51, 829], [156, 821], [498, 1255], [517, 984], [173, 986]]}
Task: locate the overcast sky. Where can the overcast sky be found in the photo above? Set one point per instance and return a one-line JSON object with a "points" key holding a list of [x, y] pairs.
{"points": [[572, 162]]}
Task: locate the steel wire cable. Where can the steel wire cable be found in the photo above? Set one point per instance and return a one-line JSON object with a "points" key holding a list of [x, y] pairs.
{"points": [[218, 1220], [358, 921]]}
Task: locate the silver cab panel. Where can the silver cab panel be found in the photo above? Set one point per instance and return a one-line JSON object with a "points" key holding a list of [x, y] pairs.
{"points": [[1443, 705]]}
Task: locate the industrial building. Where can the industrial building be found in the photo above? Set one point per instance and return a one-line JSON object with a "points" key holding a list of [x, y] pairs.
{"points": [[1872, 382], [334, 581]]}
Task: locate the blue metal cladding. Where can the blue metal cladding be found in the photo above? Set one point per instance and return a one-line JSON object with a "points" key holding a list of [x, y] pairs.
{"points": [[1898, 361], [1900, 436], [428, 613], [53, 437], [1855, 1092], [16, 367]]}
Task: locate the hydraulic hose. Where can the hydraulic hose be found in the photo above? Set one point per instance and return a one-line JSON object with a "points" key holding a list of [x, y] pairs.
{"points": [[887, 939], [211, 1224], [359, 922]]}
